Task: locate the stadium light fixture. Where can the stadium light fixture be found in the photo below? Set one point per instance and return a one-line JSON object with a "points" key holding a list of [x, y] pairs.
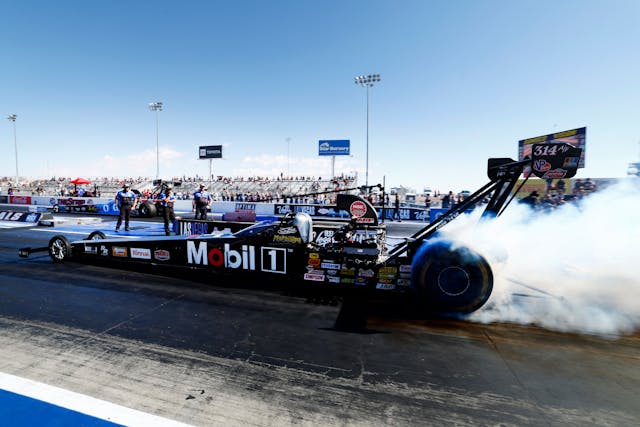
{"points": [[367, 82], [156, 106], [13, 118]]}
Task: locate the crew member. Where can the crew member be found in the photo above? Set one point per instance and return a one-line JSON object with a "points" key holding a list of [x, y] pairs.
{"points": [[125, 201], [396, 209], [531, 199], [201, 202], [168, 199]]}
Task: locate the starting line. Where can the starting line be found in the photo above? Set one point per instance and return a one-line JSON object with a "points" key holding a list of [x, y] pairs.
{"points": [[25, 402]]}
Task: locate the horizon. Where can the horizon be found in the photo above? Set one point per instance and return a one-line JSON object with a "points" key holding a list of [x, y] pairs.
{"points": [[460, 83]]}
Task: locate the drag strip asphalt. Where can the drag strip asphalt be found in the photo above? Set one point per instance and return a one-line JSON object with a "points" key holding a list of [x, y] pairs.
{"points": [[200, 354]]}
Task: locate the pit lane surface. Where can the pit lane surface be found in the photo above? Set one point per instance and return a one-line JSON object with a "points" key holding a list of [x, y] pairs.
{"points": [[204, 355]]}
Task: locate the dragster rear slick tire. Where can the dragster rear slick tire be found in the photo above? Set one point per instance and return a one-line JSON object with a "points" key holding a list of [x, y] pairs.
{"points": [[147, 210], [59, 249], [450, 280]]}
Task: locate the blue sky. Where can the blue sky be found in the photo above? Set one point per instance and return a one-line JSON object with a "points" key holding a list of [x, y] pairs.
{"points": [[461, 81]]}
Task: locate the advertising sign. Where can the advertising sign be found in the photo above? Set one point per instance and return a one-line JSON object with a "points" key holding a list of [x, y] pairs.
{"points": [[339, 147], [210, 152], [575, 137]]}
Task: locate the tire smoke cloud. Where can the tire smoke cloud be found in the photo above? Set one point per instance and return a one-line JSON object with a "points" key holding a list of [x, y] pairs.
{"points": [[572, 269]]}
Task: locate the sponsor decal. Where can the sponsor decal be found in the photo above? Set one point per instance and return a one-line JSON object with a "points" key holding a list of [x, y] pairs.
{"points": [[193, 228], [119, 251], [345, 271], [161, 255], [271, 260], [314, 277], [363, 220], [20, 200], [571, 162], [332, 272], [347, 280], [10, 216], [324, 238], [90, 249], [555, 174], [314, 255], [405, 269], [386, 281], [360, 281], [358, 209], [388, 270], [245, 206], [315, 262], [541, 165], [405, 275], [333, 279], [330, 265], [404, 282], [287, 239], [366, 272], [141, 253], [287, 230], [104, 251], [385, 286]]}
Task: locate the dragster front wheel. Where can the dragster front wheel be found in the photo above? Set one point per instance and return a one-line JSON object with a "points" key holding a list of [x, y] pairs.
{"points": [[96, 235], [450, 280], [59, 249]]}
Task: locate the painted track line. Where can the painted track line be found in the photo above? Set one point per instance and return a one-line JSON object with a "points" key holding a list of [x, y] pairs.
{"points": [[81, 403]]}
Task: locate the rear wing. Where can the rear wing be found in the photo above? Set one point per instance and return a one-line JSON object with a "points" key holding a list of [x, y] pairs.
{"points": [[548, 161], [555, 161]]}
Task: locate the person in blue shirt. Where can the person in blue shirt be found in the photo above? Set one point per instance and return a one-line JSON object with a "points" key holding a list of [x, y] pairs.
{"points": [[125, 201], [168, 200], [201, 202]]}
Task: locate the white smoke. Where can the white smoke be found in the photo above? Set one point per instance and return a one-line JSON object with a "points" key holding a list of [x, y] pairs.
{"points": [[573, 269]]}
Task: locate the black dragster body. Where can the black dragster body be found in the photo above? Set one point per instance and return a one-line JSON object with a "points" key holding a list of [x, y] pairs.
{"points": [[352, 258]]}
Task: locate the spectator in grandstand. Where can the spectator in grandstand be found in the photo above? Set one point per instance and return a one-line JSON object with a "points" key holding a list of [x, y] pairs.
{"points": [[447, 200], [589, 186], [201, 202], [577, 187], [560, 187], [168, 200], [531, 199], [125, 200], [427, 202]]}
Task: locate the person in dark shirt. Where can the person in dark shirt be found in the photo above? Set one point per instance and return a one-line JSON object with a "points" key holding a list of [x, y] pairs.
{"points": [[168, 200], [125, 201], [201, 202], [531, 199], [396, 208]]}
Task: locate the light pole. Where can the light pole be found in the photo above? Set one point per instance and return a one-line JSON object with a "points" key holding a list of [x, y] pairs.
{"points": [[13, 118], [156, 106], [288, 153], [367, 82]]}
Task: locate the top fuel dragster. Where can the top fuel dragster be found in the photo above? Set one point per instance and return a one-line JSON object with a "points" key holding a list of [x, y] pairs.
{"points": [[355, 262]]}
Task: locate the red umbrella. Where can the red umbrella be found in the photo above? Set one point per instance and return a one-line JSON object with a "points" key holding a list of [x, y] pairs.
{"points": [[80, 181]]}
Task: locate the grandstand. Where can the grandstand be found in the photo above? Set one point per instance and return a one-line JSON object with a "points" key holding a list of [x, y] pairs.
{"points": [[221, 188]]}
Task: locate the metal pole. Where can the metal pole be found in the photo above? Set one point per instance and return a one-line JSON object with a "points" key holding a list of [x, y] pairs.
{"points": [[157, 106], [13, 117], [157, 149], [366, 180], [367, 81], [288, 154]]}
